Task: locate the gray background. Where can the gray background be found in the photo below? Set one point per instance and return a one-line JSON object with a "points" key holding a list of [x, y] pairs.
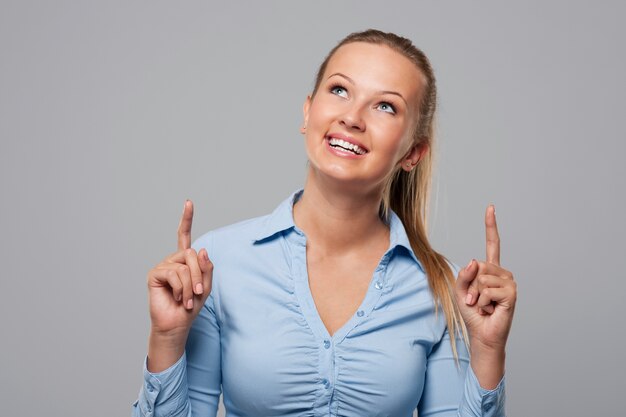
{"points": [[112, 113]]}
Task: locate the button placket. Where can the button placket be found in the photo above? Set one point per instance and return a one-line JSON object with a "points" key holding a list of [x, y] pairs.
{"points": [[327, 371]]}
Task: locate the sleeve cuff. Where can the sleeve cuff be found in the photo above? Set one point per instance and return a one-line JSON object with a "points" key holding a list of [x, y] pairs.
{"points": [[164, 392], [483, 402]]}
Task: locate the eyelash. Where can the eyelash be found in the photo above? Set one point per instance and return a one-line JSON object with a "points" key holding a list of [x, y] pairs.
{"points": [[336, 86]]}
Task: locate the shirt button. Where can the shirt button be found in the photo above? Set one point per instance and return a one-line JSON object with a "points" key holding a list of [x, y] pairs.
{"points": [[326, 344], [149, 408], [378, 285], [150, 387], [360, 313], [326, 383]]}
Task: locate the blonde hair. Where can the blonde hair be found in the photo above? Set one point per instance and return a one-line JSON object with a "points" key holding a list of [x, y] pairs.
{"points": [[407, 193]]}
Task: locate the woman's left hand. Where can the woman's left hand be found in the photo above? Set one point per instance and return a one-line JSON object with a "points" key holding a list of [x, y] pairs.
{"points": [[486, 294]]}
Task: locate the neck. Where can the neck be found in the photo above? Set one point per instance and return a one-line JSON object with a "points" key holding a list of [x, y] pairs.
{"points": [[337, 219]]}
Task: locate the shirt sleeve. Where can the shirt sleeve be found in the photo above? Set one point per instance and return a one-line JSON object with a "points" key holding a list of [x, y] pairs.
{"points": [[192, 386], [454, 391]]}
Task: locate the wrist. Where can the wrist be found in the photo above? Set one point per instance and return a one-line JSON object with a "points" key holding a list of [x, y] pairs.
{"points": [[488, 363], [164, 350], [170, 337]]}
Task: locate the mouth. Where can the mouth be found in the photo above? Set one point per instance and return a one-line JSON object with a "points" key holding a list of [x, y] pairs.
{"points": [[345, 144]]}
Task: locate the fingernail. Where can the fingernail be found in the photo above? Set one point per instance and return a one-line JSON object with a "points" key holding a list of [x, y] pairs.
{"points": [[190, 304], [199, 288], [179, 297], [468, 299]]}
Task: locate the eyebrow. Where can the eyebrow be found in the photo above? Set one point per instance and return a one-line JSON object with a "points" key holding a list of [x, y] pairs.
{"points": [[395, 93]]}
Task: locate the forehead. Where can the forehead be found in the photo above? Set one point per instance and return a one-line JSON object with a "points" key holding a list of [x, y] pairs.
{"points": [[377, 67]]}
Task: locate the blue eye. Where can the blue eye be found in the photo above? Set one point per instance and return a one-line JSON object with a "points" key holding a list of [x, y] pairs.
{"points": [[386, 107], [338, 90]]}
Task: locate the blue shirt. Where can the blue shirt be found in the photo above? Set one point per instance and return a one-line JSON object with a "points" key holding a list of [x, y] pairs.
{"points": [[260, 340]]}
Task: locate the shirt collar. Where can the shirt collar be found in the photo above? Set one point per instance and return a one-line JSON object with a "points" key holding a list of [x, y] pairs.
{"points": [[398, 236], [282, 219]]}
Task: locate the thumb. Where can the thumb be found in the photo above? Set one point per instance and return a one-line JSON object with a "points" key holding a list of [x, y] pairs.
{"points": [[465, 279], [206, 267]]}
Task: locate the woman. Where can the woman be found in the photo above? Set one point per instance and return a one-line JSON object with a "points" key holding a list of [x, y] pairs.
{"points": [[331, 305]]}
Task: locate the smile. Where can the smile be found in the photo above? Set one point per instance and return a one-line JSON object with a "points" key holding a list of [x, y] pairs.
{"points": [[344, 145]]}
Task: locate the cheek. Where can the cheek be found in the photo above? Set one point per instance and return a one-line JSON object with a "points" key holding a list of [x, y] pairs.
{"points": [[315, 119], [322, 110], [393, 137]]}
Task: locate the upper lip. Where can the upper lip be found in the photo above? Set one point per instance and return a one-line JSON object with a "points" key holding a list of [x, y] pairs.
{"points": [[347, 139]]}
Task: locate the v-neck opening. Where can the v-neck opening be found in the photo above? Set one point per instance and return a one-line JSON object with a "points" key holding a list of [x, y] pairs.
{"points": [[307, 302]]}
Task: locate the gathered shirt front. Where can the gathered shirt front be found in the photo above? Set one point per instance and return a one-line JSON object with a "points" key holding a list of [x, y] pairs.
{"points": [[260, 341]]}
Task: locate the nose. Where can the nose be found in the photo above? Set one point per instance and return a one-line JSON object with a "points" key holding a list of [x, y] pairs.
{"points": [[352, 118]]}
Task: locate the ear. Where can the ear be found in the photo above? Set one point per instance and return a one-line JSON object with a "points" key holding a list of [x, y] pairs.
{"points": [[305, 113], [414, 155]]}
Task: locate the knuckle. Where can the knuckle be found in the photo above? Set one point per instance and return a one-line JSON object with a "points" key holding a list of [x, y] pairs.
{"points": [[183, 269], [190, 252], [482, 280]]}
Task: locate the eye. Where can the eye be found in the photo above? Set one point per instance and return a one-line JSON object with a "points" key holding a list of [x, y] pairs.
{"points": [[386, 107], [339, 90]]}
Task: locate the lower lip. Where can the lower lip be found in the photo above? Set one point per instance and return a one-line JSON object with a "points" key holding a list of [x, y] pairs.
{"points": [[342, 153]]}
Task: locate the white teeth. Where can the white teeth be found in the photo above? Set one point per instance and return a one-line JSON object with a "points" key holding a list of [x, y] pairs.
{"points": [[346, 145]]}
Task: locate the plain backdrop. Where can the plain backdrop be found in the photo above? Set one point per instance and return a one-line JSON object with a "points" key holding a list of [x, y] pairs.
{"points": [[113, 112]]}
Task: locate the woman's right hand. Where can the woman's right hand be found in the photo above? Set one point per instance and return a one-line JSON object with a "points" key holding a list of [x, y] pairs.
{"points": [[177, 289]]}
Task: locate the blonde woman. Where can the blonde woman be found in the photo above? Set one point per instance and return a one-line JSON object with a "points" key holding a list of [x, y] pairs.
{"points": [[335, 304]]}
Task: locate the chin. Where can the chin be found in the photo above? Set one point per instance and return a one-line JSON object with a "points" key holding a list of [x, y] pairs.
{"points": [[344, 179]]}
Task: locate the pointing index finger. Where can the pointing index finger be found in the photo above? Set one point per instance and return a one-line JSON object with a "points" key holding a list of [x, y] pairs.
{"points": [[493, 238], [184, 228]]}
